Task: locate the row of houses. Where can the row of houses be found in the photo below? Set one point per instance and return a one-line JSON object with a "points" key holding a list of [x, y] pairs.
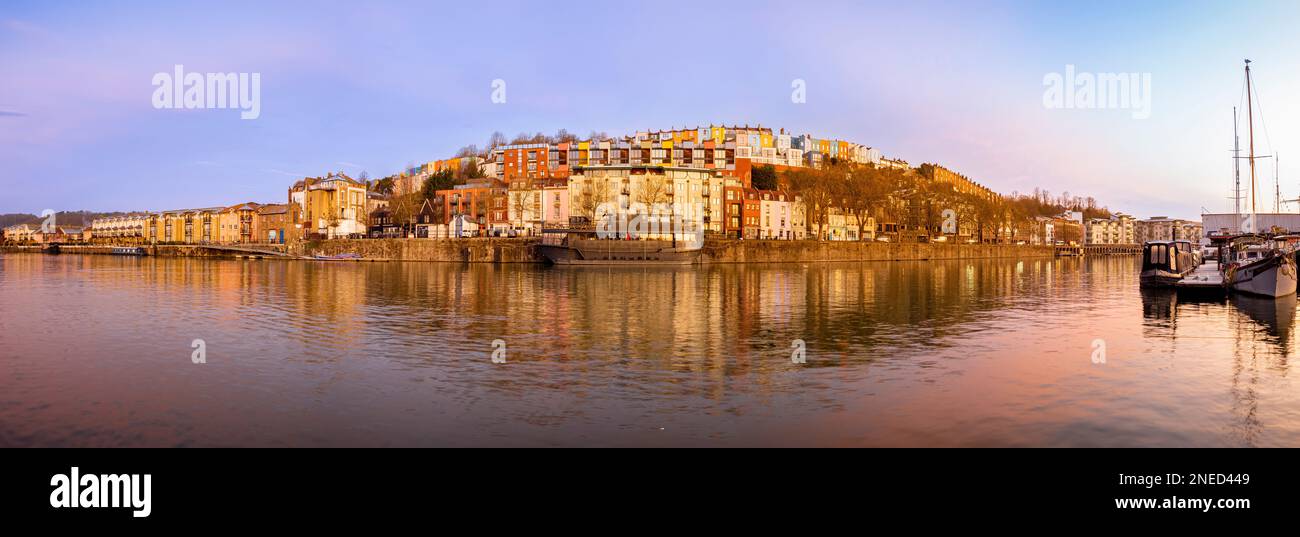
{"points": [[716, 202], [731, 151], [339, 206], [245, 223], [45, 234]]}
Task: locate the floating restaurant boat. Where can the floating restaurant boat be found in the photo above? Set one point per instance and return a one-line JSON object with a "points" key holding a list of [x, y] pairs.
{"points": [[1165, 263], [583, 247], [52, 248]]}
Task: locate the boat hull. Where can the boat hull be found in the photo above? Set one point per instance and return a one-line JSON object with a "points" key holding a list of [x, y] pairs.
{"points": [[615, 252], [1159, 278]]}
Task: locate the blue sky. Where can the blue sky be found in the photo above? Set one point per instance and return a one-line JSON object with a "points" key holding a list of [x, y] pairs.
{"points": [[353, 86]]}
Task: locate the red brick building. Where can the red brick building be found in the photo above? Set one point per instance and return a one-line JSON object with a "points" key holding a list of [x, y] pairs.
{"points": [[485, 201]]}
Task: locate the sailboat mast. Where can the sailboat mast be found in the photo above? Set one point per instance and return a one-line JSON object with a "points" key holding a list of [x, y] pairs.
{"points": [[1250, 120], [1236, 170]]}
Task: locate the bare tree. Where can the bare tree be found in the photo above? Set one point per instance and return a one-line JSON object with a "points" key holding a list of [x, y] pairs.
{"points": [[594, 193], [521, 199], [815, 187], [563, 136], [865, 190], [653, 190]]}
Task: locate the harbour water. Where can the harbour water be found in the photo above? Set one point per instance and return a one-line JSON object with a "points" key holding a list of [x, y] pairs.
{"points": [[100, 351]]}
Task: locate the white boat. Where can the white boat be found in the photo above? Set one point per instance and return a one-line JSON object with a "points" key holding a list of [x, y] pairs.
{"points": [[1261, 269], [1258, 265]]}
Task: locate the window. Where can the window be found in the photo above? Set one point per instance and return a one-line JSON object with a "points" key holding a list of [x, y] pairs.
{"points": [[1158, 254]]}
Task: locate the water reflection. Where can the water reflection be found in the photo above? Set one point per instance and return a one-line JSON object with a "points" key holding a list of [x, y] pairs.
{"points": [[988, 352]]}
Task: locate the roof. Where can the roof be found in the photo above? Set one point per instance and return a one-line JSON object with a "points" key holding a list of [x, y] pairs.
{"points": [[247, 206], [273, 209]]}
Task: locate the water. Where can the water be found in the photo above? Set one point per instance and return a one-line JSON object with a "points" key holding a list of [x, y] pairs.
{"points": [[96, 351]]}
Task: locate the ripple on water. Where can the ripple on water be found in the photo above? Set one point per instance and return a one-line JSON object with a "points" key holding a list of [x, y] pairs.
{"points": [[97, 351]]}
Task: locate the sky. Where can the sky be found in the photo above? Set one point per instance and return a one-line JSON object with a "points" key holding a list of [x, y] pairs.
{"points": [[377, 86]]}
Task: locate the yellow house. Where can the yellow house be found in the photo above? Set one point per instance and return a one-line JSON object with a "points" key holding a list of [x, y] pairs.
{"points": [[236, 223], [169, 227], [21, 232], [202, 226], [332, 206]]}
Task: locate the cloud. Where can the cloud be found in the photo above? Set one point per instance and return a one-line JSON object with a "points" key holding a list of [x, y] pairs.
{"points": [[11, 113], [290, 174]]}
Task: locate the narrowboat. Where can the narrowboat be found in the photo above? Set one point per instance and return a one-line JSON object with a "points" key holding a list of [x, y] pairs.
{"points": [[1165, 263]]}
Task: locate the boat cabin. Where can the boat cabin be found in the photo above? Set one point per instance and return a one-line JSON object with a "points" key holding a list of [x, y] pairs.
{"points": [[1169, 256]]}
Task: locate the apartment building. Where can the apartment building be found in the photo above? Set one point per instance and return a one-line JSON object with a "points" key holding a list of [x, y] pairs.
{"points": [[844, 226], [333, 206], [657, 193], [534, 204], [236, 224], [1163, 228], [781, 216], [121, 229], [484, 201], [1118, 229], [960, 183], [21, 232]]}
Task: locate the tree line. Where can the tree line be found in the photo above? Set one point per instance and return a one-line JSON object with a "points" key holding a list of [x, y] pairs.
{"points": [[918, 203]]}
